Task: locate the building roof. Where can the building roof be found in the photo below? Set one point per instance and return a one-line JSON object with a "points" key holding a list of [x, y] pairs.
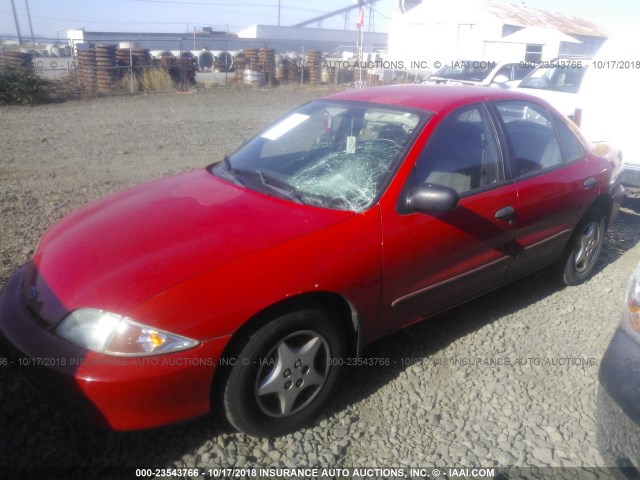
{"points": [[535, 17], [540, 35], [471, 11]]}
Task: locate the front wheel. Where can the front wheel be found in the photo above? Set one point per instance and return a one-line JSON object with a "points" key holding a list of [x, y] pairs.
{"points": [[284, 373], [586, 245]]}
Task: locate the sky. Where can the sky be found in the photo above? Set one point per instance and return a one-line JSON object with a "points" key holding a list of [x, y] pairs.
{"points": [[51, 17]]}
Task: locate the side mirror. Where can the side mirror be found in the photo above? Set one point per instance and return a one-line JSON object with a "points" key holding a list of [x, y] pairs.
{"points": [[500, 79], [431, 198]]}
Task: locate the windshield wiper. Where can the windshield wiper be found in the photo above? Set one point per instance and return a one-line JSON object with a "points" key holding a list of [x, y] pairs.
{"points": [[274, 184], [226, 171]]}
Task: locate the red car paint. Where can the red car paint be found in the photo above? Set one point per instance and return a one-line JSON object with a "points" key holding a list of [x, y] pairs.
{"points": [[199, 256]]}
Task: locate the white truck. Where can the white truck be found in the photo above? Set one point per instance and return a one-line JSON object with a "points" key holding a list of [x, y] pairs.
{"points": [[601, 95]]}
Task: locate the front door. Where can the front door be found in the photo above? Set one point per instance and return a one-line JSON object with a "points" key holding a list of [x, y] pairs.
{"points": [[431, 260]]}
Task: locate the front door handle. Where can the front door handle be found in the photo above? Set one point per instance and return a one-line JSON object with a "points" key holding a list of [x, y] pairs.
{"points": [[506, 214], [590, 183]]}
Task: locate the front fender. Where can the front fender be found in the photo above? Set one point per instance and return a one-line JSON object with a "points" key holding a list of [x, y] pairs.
{"points": [[344, 259]]}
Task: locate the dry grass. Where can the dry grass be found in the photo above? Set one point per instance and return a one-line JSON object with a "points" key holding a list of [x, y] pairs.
{"points": [[129, 84], [156, 80], [152, 80]]}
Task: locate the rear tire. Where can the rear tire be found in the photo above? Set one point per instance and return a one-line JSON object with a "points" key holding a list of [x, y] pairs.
{"points": [[284, 373], [584, 248]]}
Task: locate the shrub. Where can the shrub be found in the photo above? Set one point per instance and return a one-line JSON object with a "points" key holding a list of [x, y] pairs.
{"points": [[20, 86]]}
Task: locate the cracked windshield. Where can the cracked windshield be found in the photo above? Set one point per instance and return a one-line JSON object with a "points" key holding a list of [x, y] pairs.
{"points": [[332, 155]]}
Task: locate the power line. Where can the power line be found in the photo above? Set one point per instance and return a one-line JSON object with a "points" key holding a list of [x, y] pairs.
{"points": [[15, 18], [221, 7], [381, 14], [209, 4], [33, 40], [115, 22], [227, 4]]}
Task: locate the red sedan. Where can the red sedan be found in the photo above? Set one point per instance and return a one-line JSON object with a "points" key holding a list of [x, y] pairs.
{"points": [[249, 285]]}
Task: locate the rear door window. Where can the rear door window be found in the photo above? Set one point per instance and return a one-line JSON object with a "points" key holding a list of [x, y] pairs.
{"points": [[531, 135]]}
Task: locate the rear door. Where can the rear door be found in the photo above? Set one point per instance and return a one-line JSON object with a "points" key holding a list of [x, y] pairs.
{"points": [[550, 166]]}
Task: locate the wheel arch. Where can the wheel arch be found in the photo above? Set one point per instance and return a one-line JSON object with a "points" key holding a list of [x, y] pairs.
{"points": [[346, 315], [604, 204], [600, 209]]}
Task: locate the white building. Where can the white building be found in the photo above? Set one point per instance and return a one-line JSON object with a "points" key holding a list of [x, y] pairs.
{"points": [[327, 40], [444, 31], [283, 39]]}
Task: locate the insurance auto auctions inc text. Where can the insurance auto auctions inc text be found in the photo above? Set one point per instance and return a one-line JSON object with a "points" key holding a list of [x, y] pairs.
{"points": [[288, 473]]}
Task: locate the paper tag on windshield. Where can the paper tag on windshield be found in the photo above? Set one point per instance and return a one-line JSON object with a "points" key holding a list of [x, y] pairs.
{"points": [[351, 144]]}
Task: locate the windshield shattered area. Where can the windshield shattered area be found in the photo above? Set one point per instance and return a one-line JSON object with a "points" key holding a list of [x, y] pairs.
{"points": [[326, 154]]}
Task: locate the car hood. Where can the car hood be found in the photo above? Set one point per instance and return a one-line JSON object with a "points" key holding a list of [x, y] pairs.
{"points": [[122, 250]]}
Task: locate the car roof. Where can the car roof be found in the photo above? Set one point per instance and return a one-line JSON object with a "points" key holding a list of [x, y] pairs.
{"points": [[434, 98]]}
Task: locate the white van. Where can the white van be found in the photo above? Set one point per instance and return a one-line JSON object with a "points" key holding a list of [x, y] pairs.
{"points": [[601, 96], [558, 82], [610, 102]]}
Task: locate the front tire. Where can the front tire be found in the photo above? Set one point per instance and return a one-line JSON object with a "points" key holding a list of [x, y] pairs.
{"points": [[284, 373], [585, 247]]}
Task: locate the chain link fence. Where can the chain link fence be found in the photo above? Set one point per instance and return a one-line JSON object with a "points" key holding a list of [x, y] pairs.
{"points": [[104, 67]]}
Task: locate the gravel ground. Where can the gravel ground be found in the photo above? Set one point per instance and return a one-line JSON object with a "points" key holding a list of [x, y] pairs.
{"points": [[508, 379]]}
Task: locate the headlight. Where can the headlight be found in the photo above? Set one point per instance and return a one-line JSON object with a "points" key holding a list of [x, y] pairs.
{"points": [[112, 334], [632, 308]]}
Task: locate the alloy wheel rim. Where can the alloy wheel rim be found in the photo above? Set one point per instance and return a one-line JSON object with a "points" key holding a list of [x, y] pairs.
{"points": [[292, 374], [588, 247]]}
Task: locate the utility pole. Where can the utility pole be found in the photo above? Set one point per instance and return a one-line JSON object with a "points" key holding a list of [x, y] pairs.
{"points": [[15, 19], [33, 40], [360, 44], [279, 5]]}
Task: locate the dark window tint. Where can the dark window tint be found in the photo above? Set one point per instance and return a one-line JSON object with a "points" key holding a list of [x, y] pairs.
{"points": [[462, 153], [532, 136]]}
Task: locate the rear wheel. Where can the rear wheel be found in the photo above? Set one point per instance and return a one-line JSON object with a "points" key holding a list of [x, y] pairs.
{"points": [[585, 247], [284, 373]]}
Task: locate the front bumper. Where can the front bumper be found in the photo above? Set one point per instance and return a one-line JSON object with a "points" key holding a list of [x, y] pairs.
{"points": [[115, 392], [618, 402]]}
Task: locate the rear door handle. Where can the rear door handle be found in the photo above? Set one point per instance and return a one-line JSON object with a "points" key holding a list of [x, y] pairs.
{"points": [[506, 214], [590, 183]]}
